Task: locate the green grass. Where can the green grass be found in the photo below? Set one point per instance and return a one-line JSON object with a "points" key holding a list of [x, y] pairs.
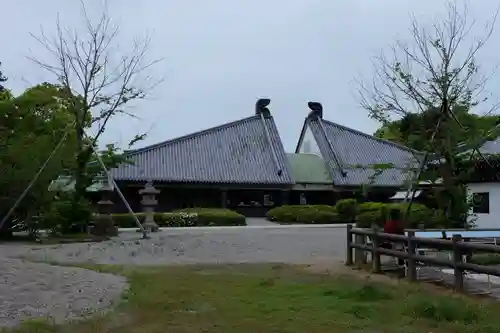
{"points": [[486, 259], [276, 298]]}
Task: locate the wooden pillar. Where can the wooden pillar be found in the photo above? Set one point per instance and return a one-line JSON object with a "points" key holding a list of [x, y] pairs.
{"points": [[411, 265], [457, 262], [285, 197], [375, 253], [223, 198], [349, 259], [359, 255]]}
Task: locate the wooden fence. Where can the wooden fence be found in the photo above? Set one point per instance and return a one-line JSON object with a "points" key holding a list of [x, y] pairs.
{"points": [[458, 247]]}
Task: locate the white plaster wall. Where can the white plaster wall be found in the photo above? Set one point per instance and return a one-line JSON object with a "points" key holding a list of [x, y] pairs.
{"points": [[309, 144], [491, 220]]}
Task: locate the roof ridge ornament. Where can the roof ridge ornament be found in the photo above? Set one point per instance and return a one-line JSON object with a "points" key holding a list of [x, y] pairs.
{"points": [[316, 110], [261, 107]]}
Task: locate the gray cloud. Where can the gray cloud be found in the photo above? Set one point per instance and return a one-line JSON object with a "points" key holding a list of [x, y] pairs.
{"points": [[221, 55]]}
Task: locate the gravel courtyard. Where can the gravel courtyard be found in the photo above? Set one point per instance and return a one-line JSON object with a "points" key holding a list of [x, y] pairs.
{"points": [[29, 290], [34, 289]]}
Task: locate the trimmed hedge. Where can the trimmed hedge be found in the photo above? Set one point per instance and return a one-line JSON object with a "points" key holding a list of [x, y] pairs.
{"points": [[377, 213], [364, 214], [347, 209], [192, 217], [215, 216], [307, 214]]}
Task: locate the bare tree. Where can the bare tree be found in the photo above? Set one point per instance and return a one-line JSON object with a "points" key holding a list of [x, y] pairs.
{"points": [[438, 69], [101, 80], [435, 78]]}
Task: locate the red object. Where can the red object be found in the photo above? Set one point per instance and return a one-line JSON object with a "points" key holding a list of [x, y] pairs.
{"points": [[394, 227]]}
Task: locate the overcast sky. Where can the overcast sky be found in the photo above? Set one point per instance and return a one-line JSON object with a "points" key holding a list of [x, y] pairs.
{"points": [[220, 56]]}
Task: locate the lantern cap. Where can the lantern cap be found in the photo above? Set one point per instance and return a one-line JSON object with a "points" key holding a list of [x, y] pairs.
{"points": [[148, 189]]}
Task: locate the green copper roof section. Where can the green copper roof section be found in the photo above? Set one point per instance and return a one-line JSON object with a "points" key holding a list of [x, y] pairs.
{"points": [[67, 184], [309, 169]]}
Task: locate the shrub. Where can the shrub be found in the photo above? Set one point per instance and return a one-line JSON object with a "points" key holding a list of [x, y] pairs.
{"points": [[185, 218], [369, 218], [419, 214], [370, 213], [162, 219], [377, 213], [307, 214], [67, 216], [128, 221], [215, 216], [371, 206], [485, 259], [347, 209]]}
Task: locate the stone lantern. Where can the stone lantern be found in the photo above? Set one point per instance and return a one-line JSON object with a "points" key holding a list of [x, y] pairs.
{"points": [[104, 225], [149, 202]]}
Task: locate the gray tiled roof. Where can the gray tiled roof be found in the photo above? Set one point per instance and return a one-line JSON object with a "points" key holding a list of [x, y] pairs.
{"points": [[352, 155], [491, 147], [241, 152]]}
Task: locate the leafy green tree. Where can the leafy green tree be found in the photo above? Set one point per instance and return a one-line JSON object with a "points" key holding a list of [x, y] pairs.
{"points": [[424, 93], [413, 131], [32, 124], [2, 79]]}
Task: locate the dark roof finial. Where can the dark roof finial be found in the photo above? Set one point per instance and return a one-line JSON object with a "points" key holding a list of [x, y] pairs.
{"points": [[316, 110], [261, 107]]}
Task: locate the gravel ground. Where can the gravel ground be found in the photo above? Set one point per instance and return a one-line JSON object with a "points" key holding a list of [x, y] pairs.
{"points": [[29, 290], [254, 221], [33, 289], [201, 245]]}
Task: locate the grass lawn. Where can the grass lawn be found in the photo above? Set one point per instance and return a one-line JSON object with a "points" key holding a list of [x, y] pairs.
{"points": [[275, 298], [486, 259]]}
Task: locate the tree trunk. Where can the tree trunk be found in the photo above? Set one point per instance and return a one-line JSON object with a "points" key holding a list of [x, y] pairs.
{"points": [[80, 163], [451, 196], [80, 177]]}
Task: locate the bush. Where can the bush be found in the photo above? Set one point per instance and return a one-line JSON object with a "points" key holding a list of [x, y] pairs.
{"points": [[365, 214], [370, 213], [307, 214], [419, 214], [371, 207], [485, 259], [377, 213], [347, 209], [162, 219], [185, 218], [67, 216], [215, 216]]}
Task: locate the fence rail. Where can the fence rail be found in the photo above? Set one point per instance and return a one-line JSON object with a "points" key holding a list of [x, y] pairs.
{"points": [[459, 248]]}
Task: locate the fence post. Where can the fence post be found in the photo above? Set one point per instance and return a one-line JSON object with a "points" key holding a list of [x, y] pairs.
{"points": [[375, 252], [359, 255], [348, 260], [411, 265], [457, 261]]}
